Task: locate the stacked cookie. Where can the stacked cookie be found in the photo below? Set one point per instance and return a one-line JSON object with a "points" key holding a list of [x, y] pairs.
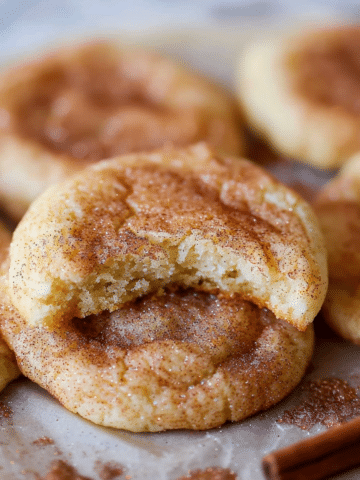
{"points": [[163, 289], [166, 290]]}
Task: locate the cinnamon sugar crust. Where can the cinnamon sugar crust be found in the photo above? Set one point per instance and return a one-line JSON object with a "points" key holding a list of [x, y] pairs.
{"points": [[86, 102], [338, 209], [139, 223]]}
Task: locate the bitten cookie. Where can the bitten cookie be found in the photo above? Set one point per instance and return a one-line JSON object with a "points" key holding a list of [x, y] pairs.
{"points": [[139, 223], [338, 210], [166, 290], [301, 92], [83, 103]]}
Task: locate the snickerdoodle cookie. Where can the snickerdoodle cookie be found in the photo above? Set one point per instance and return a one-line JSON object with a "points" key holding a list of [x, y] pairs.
{"points": [[86, 102], [301, 91]]}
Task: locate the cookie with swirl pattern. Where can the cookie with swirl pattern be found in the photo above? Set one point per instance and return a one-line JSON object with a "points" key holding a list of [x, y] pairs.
{"points": [[68, 108]]}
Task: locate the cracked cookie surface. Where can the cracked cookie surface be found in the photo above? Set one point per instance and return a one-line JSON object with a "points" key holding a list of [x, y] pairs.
{"points": [[135, 224]]}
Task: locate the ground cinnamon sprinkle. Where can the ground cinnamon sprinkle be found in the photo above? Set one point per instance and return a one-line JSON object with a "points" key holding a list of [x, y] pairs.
{"points": [[211, 473], [5, 411], [60, 470], [108, 471], [42, 441], [329, 401]]}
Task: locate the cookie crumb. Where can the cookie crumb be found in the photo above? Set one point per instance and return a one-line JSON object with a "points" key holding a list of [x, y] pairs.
{"points": [[61, 470], [42, 441], [109, 470], [5, 411], [210, 473]]}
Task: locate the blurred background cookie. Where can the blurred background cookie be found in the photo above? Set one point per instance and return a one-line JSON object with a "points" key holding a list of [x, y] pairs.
{"points": [[85, 102], [300, 90], [338, 209]]}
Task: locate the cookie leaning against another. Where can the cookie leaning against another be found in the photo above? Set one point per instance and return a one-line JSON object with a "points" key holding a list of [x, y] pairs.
{"points": [[85, 102], [301, 92], [338, 209], [163, 290], [8, 366]]}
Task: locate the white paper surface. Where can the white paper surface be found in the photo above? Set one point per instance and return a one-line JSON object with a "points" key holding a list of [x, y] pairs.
{"points": [[169, 455], [163, 456]]}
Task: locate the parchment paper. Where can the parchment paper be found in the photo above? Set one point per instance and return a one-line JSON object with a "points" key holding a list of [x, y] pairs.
{"points": [[169, 455]]}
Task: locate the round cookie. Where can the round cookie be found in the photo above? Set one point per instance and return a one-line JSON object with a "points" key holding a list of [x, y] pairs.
{"points": [[138, 223], [86, 102], [180, 360], [8, 366], [338, 209], [301, 92], [143, 292]]}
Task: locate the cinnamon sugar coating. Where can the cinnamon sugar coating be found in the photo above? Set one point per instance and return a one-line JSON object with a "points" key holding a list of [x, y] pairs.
{"points": [[338, 209], [329, 401], [301, 91], [86, 102], [136, 224]]}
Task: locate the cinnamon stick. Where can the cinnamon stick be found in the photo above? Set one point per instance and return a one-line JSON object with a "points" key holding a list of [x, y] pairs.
{"points": [[315, 458]]}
